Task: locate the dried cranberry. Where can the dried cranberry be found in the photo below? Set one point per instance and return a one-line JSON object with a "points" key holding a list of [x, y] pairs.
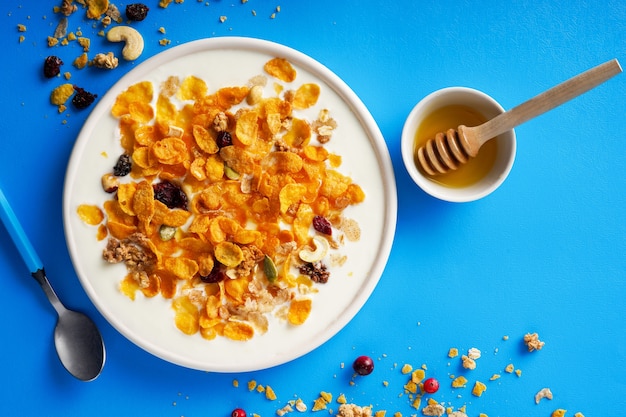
{"points": [[322, 225], [123, 166], [224, 139], [52, 66], [431, 385], [170, 194], [82, 99], [238, 412], [217, 275], [363, 365], [137, 11]]}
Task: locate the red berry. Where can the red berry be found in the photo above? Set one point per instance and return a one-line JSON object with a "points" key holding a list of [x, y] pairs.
{"points": [[363, 365], [322, 225], [431, 385], [238, 412]]}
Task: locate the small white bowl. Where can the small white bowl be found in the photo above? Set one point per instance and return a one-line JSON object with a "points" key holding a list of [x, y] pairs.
{"points": [[484, 105]]}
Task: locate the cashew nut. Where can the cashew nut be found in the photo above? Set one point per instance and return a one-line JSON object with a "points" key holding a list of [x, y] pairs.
{"points": [[134, 41], [321, 248]]}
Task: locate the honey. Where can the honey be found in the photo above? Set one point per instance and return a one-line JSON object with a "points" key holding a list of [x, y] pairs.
{"points": [[450, 117]]}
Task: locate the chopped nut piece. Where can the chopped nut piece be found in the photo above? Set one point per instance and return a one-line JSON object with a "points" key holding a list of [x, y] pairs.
{"points": [[61, 29], [473, 353], [543, 393]]}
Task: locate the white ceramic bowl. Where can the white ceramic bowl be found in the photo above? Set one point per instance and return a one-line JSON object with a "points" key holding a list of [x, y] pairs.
{"points": [[484, 105], [149, 322]]}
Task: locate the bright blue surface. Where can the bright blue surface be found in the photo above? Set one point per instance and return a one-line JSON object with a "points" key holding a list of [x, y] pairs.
{"points": [[545, 253]]}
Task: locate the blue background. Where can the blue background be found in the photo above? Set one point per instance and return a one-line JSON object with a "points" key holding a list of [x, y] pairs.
{"points": [[545, 253]]}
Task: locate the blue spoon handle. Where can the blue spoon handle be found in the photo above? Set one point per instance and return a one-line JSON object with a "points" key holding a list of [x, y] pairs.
{"points": [[12, 224]]}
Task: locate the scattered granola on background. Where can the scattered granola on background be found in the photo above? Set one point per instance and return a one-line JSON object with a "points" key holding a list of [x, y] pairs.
{"points": [[532, 342], [352, 410], [543, 393]]}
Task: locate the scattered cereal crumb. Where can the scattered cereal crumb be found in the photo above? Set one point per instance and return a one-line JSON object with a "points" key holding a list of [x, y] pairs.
{"points": [[418, 375], [162, 30], [342, 399], [509, 368], [406, 368], [322, 401], [505, 337], [223, 19], [579, 415], [479, 388], [61, 94], [543, 393], [251, 385], [494, 377], [457, 413], [518, 372], [559, 412], [85, 43], [235, 383], [453, 353], [532, 342], [483, 415], [459, 382], [269, 393], [21, 28], [81, 61]]}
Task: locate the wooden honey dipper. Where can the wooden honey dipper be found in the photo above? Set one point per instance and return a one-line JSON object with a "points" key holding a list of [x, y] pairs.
{"points": [[447, 151]]}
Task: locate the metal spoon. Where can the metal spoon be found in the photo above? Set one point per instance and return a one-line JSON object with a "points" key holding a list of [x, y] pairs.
{"points": [[78, 341]]}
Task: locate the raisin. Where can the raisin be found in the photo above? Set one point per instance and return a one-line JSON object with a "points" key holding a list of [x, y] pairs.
{"points": [[322, 225], [216, 275], [170, 194], [224, 139], [316, 271], [123, 166], [82, 99], [137, 12], [52, 66]]}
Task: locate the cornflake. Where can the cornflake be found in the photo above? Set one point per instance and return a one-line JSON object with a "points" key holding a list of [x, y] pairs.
{"points": [[221, 199]]}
